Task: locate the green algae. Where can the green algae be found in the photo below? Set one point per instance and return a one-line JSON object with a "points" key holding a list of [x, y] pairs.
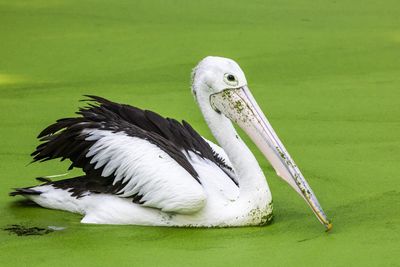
{"points": [[324, 72], [262, 216], [21, 230]]}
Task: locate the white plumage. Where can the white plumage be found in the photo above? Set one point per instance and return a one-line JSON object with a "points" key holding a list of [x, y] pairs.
{"points": [[147, 171]]}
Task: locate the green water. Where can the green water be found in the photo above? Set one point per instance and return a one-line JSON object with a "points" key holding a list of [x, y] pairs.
{"points": [[326, 74]]}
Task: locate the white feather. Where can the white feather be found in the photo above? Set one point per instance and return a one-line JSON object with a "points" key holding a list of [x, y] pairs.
{"points": [[147, 169], [220, 151]]}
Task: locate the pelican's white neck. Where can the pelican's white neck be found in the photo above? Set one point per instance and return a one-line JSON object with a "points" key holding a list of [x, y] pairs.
{"points": [[251, 178]]}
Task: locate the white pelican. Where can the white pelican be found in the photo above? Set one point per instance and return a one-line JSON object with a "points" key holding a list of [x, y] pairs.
{"points": [[144, 169]]}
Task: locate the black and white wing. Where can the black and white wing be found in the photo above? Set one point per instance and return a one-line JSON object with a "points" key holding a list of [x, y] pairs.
{"points": [[223, 161], [130, 152]]}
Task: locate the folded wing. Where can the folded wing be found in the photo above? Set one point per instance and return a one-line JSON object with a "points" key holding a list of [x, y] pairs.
{"points": [[128, 152]]}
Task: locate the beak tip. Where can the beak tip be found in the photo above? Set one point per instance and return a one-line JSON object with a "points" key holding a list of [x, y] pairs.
{"points": [[329, 227]]}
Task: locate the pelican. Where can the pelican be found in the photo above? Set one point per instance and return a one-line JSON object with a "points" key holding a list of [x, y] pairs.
{"points": [[143, 169]]}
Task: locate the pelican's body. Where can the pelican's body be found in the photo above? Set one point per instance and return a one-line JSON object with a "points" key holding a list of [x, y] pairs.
{"points": [[143, 169], [214, 202]]}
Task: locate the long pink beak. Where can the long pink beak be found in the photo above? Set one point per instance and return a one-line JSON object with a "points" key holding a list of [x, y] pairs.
{"points": [[240, 106]]}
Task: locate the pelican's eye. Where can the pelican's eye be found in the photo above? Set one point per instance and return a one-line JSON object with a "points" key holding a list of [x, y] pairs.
{"points": [[230, 79]]}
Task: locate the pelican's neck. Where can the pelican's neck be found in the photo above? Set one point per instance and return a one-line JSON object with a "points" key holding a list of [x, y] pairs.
{"points": [[250, 176]]}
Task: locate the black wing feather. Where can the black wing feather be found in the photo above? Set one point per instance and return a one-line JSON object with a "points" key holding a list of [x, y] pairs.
{"points": [[66, 139], [181, 134]]}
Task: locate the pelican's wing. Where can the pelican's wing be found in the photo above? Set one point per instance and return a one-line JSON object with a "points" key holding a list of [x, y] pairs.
{"points": [[222, 160], [126, 156]]}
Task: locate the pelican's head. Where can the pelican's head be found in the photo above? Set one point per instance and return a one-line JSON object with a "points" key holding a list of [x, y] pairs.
{"points": [[215, 74], [221, 84]]}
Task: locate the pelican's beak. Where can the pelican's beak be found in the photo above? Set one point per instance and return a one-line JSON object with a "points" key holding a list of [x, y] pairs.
{"points": [[239, 106]]}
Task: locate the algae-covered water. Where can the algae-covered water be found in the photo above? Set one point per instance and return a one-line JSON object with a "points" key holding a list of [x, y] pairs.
{"points": [[325, 72]]}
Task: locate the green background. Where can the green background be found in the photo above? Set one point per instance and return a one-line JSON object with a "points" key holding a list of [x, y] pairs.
{"points": [[325, 72]]}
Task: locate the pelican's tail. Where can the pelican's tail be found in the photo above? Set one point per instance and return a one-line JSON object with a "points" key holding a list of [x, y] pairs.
{"points": [[50, 195], [24, 192]]}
